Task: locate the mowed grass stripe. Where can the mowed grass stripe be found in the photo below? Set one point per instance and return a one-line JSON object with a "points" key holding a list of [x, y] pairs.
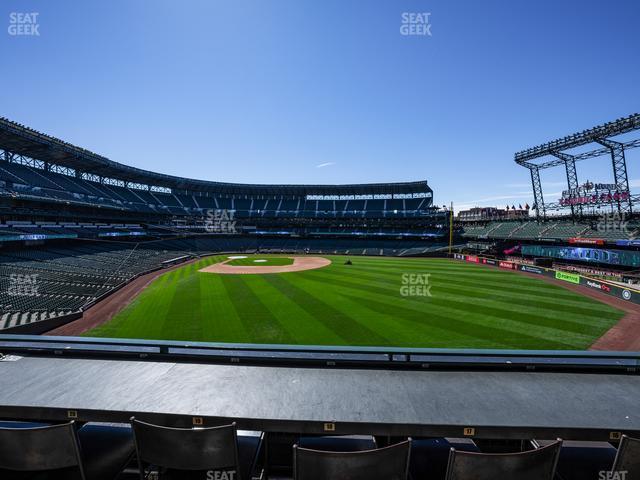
{"points": [[423, 329], [482, 332], [394, 299], [489, 278], [179, 322], [257, 319], [517, 284], [301, 326], [335, 319], [481, 328], [510, 321], [146, 313], [307, 324], [387, 322], [573, 319], [217, 312], [360, 305], [509, 317], [565, 300]]}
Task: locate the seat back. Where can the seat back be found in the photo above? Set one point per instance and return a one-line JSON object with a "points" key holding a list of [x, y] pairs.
{"points": [[38, 449], [389, 463], [537, 464], [628, 457], [214, 448]]}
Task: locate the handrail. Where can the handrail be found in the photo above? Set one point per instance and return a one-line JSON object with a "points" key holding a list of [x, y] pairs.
{"points": [[332, 356]]}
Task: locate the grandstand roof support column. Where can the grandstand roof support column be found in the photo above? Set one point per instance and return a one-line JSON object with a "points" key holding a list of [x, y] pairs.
{"points": [[619, 170], [572, 176], [537, 192]]}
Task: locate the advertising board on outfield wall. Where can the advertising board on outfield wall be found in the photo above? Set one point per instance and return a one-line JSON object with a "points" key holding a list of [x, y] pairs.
{"points": [[605, 287], [587, 241], [608, 256], [568, 277], [598, 285], [531, 269]]}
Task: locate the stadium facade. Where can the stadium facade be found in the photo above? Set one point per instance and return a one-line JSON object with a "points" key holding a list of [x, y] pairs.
{"points": [[76, 225], [39, 171]]}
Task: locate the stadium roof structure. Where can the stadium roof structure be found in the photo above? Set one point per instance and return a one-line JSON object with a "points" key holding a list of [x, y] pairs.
{"points": [[534, 159], [22, 140]]}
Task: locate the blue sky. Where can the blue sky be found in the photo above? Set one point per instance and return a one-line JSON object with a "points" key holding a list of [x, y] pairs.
{"points": [[300, 91]]}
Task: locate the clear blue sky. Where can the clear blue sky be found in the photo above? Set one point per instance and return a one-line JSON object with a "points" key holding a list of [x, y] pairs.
{"points": [[264, 91]]}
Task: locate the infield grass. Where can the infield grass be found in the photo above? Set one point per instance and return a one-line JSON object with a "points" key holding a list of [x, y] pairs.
{"points": [[260, 261], [361, 304]]}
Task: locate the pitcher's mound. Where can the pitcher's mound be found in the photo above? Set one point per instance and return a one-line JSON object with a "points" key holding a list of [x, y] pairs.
{"points": [[299, 264]]}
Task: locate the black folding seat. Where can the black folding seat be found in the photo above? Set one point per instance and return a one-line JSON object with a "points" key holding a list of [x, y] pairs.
{"points": [[628, 458], [430, 456], [31, 451], [338, 443], [579, 460], [539, 464], [389, 463], [195, 453], [106, 449]]}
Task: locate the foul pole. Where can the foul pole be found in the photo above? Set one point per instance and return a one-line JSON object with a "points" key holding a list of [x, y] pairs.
{"points": [[450, 228]]}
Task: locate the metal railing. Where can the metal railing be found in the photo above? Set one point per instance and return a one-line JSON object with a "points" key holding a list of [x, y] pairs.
{"points": [[324, 356]]}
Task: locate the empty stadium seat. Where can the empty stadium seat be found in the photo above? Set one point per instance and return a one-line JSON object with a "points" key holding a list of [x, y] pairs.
{"points": [[628, 458], [185, 453], [333, 443], [429, 456], [388, 463], [539, 464], [580, 460], [61, 452]]}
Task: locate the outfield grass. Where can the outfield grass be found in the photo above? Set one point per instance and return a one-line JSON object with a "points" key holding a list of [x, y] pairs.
{"points": [[260, 261], [470, 307]]}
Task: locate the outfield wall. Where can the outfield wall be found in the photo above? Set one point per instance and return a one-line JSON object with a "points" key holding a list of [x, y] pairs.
{"points": [[628, 294], [584, 254]]}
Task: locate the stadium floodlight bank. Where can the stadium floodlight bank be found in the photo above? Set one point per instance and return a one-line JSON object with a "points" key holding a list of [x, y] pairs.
{"points": [[582, 198]]}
